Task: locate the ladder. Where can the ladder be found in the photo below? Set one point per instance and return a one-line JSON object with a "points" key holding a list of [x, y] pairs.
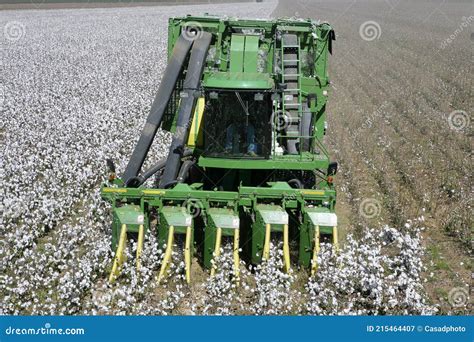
{"points": [[291, 102]]}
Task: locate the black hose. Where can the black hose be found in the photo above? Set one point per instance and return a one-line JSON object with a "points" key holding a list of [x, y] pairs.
{"points": [[154, 169], [135, 182], [305, 129], [297, 182], [170, 184], [184, 171]]}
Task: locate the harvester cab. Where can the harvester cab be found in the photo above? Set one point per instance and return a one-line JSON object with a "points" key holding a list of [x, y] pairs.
{"points": [[245, 101]]}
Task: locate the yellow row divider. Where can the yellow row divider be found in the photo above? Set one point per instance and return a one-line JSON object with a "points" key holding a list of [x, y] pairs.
{"points": [[187, 254], [236, 255], [266, 246], [286, 249], [217, 250], [335, 241], [314, 264], [141, 233], [167, 257], [119, 258]]}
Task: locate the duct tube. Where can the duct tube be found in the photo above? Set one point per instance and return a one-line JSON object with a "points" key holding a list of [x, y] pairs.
{"points": [[183, 174], [135, 182], [184, 171], [161, 164], [167, 85], [186, 107]]}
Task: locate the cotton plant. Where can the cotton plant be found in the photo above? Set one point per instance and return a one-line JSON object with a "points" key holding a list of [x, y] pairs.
{"points": [[378, 273], [73, 101], [273, 294], [81, 97], [226, 291]]}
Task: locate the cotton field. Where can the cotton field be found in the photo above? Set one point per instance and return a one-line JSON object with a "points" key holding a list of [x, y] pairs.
{"points": [[76, 87]]}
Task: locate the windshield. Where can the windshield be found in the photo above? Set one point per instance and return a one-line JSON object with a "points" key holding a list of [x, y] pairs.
{"points": [[237, 125]]}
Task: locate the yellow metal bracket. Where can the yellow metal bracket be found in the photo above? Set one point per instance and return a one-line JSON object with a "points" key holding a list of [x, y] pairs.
{"points": [[167, 256], [286, 249], [335, 241], [236, 255], [286, 246], [119, 255], [195, 132], [314, 263], [266, 245], [187, 254], [169, 248], [217, 250], [141, 235]]}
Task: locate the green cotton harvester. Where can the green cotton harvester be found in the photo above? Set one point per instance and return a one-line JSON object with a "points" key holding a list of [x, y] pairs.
{"points": [[245, 101]]}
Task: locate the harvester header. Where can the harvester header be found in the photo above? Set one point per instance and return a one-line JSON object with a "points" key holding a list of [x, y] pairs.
{"points": [[245, 101]]}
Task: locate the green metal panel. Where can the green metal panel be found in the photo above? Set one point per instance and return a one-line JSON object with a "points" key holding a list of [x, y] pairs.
{"points": [[322, 45], [255, 240], [176, 216], [309, 84], [131, 215], [237, 47], [250, 54], [313, 216], [184, 192], [274, 215], [326, 220], [268, 164], [239, 80], [291, 28], [223, 218]]}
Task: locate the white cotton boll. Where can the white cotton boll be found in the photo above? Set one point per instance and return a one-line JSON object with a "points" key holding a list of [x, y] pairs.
{"points": [[82, 97], [369, 273]]}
